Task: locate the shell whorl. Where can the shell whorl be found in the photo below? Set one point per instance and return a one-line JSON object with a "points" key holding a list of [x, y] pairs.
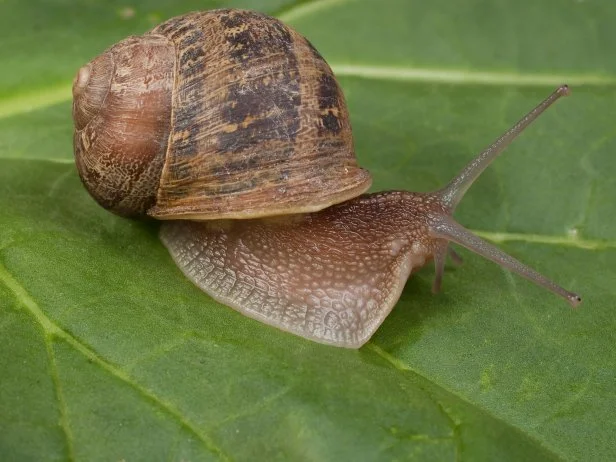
{"points": [[122, 113], [90, 88]]}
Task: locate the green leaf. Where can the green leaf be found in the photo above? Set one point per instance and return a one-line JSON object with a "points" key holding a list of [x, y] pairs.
{"points": [[108, 353]]}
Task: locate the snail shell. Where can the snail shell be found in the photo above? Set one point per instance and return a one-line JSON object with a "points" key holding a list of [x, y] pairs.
{"points": [[217, 114]]}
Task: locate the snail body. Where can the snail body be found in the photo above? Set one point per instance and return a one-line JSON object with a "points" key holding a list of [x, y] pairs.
{"points": [[231, 127]]}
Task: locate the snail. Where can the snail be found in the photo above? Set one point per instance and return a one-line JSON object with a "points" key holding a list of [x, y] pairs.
{"points": [[230, 127]]}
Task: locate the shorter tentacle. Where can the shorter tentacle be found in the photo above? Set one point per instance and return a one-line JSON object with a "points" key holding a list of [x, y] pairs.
{"points": [[457, 259], [440, 256]]}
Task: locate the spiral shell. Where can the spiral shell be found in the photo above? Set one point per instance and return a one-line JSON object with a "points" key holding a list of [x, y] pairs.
{"points": [[218, 114]]}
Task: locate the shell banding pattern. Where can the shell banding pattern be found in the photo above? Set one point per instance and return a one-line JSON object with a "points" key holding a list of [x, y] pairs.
{"points": [[259, 124]]}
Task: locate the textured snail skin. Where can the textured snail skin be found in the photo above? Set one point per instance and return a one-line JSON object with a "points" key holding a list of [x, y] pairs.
{"points": [[330, 276], [218, 114]]}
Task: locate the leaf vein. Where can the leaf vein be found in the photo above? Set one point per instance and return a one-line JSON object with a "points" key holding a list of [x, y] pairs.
{"points": [[302, 8], [566, 241], [55, 377], [254, 409], [407, 369], [51, 329], [33, 101], [402, 367], [571, 401], [467, 77], [159, 351]]}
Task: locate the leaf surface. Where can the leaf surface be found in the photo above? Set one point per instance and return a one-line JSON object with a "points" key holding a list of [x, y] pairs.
{"points": [[108, 353]]}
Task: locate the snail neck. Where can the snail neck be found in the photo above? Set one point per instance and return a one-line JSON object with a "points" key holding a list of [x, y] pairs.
{"points": [[378, 218]]}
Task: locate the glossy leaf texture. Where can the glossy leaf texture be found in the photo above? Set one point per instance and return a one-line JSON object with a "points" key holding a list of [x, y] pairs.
{"points": [[108, 353]]}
